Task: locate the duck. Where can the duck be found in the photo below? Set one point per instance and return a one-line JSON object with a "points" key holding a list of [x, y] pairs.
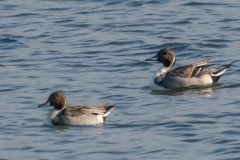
{"points": [[62, 114], [195, 74]]}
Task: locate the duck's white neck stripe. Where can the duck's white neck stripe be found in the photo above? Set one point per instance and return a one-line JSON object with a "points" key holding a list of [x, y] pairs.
{"points": [[171, 63], [65, 102]]}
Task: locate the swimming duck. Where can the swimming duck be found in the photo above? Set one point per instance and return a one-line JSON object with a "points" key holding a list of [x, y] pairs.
{"points": [[74, 115], [190, 75]]}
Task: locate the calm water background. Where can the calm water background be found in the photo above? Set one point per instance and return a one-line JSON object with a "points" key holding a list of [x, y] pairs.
{"points": [[94, 52]]}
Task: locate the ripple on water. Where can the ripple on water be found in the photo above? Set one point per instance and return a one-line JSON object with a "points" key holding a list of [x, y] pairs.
{"points": [[94, 52]]}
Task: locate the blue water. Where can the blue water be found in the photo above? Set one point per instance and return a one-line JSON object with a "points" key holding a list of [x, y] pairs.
{"points": [[94, 52]]}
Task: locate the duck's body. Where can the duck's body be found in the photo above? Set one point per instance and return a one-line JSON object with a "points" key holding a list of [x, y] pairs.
{"points": [[75, 115], [190, 75]]}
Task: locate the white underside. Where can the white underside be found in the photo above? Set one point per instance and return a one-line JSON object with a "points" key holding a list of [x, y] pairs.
{"points": [[100, 119], [206, 79]]}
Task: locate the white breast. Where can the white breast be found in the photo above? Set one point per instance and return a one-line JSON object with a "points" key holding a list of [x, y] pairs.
{"points": [[52, 114], [152, 83]]}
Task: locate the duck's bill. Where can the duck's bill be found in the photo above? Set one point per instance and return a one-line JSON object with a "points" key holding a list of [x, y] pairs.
{"points": [[44, 104], [155, 58]]}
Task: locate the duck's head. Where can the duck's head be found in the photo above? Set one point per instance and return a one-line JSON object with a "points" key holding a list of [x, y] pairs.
{"points": [[165, 56], [56, 99]]}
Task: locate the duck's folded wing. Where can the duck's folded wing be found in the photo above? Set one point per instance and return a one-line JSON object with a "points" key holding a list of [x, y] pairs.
{"points": [[76, 111], [189, 70], [182, 72]]}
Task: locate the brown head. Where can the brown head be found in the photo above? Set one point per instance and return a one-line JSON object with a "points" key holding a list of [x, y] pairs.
{"points": [[56, 99], [166, 56]]}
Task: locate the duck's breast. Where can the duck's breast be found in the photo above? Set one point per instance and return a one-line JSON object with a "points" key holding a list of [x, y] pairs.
{"points": [[155, 82], [51, 115]]}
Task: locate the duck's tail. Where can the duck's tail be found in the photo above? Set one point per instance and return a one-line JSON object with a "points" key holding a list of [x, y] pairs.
{"points": [[217, 74], [109, 109]]}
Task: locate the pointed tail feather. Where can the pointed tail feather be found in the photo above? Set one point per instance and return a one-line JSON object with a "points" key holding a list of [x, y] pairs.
{"points": [[221, 71], [216, 75], [109, 110]]}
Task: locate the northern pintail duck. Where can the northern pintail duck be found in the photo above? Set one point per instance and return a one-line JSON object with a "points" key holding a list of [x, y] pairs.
{"points": [[190, 75], [74, 115]]}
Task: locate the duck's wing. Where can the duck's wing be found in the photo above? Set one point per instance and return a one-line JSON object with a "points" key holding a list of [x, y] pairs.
{"points": [[188, 71], [75, 111], [199, 70]]}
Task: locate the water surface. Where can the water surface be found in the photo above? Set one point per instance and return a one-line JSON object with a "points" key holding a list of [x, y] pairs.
{"points": [[94, 52]]}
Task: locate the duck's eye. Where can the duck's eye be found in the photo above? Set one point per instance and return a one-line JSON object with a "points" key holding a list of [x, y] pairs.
{"points": [[54, 97], [164, 53]]}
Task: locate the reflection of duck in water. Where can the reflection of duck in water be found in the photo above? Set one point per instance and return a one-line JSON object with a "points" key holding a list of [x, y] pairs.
{"points": [[75, 115], [206, 91], [190, 75], [203, 91]]}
